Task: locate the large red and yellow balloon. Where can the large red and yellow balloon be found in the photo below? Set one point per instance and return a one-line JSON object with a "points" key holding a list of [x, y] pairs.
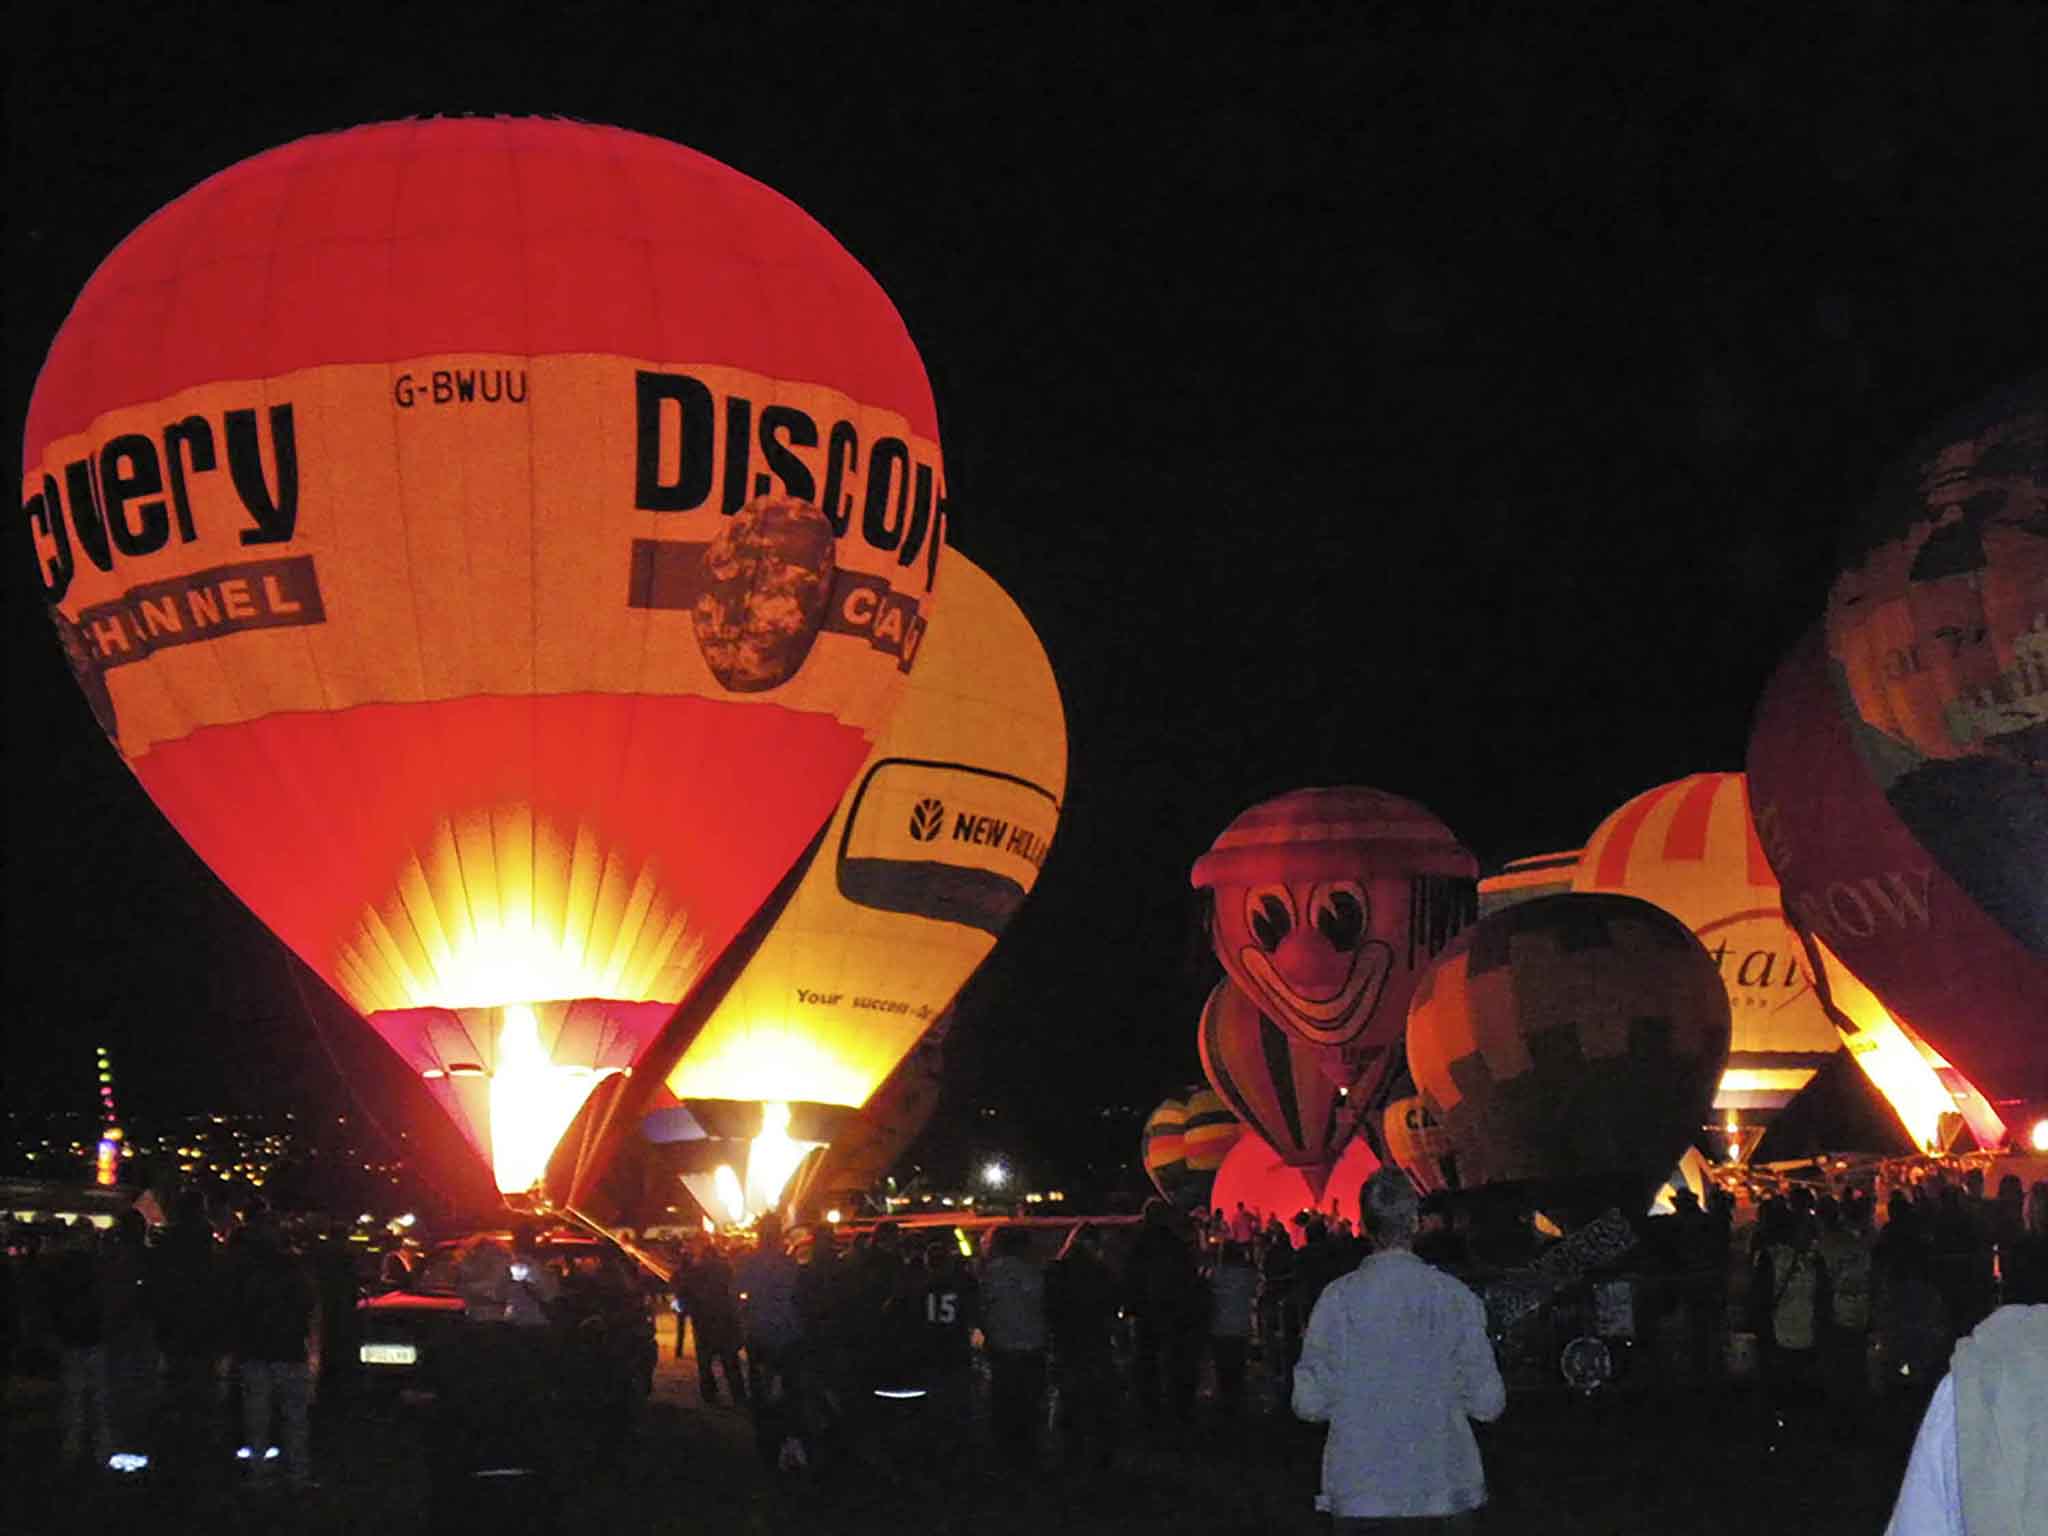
{"points": [[1326, 905], [494, 544], [1571, 1043]]}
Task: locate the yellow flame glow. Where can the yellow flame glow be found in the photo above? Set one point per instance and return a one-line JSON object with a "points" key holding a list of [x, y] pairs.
{"points": [[727, 1185], [533, 1099], [1899, 1065], [785, 1061], [771, 1158]]}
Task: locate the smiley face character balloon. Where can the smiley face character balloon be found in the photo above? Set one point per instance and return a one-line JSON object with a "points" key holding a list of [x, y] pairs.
{"points": [[1326, 904]]}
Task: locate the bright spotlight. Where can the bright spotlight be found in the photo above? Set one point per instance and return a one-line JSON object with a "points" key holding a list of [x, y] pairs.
{"points": [[995, 1175], [2039, 1136]]}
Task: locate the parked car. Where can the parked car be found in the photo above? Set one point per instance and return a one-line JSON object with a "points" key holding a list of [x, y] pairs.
{"points": [[410, 1336]]}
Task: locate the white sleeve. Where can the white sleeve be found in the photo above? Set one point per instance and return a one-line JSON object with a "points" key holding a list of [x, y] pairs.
{"points": [[1931, 1498]]}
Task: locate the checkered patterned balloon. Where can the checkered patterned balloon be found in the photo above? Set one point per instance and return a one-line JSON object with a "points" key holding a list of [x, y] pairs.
{"points": [[1570, 1040]]}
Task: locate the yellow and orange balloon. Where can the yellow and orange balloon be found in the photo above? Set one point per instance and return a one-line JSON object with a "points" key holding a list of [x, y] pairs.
{"points": [[494, 545]]}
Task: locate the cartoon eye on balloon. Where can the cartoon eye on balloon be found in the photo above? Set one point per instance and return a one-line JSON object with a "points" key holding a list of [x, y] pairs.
{"points": [[1269, 914], [1338, 912]]}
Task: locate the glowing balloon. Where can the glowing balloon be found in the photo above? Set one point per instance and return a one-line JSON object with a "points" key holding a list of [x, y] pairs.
{"points": [[1326, 904], [1689, 847], [1856, 877], [1211, 1131], [1419, 1146], [1355, 1165], [1916, 1079], [895, 1115], [1572, 1042], [1271, 1080], [1265, 1182], [1163, 1149], [494, 545], [934, 847]]}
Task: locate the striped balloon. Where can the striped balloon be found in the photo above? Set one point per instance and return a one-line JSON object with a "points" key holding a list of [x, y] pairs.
{"points": [[1571, 1042], [1690, 848], [1212, 1130], [1163, 1148], [1273, 1083]]}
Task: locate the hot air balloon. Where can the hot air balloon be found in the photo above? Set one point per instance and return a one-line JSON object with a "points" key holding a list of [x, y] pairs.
{"points": [[1688, 846], [494, 545], [1938, 620], [1162, 1148], [1542, 874], [1419, 1146], [1858, 879], [936, 844], [1272, 1082], [1571, 1044], [1326, 904], [1210, 1132]]}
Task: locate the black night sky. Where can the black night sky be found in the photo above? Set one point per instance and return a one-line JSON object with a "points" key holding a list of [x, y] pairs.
{"points": [[1381, 395]]}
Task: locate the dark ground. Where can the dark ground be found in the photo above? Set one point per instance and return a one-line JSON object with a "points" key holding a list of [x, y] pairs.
{"points": [[1636, 1459]]}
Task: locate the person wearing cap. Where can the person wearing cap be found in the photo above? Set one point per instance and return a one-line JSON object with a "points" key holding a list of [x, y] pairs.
{"points": [[1396, 1361]]}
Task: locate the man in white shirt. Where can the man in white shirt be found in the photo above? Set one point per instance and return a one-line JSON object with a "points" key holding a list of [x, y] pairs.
{"points": [[1978, 1465], [1396, 1360]]}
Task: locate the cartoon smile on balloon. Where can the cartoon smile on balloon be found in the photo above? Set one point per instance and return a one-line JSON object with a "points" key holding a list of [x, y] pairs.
{"points": [[1303, 951]]}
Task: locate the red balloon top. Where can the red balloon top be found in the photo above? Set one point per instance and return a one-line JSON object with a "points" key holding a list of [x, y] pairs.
{"points": [[1309, 834], [527, 236]]}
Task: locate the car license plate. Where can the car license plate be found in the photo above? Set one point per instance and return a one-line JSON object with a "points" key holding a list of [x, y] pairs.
{"points": [[388, 1354]]}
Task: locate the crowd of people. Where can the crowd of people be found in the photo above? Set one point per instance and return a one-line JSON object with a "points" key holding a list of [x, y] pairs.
{"points": [[154, 1337], [910, 1347]]}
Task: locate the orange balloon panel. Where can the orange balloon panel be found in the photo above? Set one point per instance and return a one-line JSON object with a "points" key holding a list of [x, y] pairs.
{"points": [[1690, 848], [494, 545], [1570, 1038], [936, 844]]}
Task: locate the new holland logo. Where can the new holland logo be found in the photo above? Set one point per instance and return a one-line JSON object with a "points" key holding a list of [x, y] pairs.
{"points": [[927, 818]]}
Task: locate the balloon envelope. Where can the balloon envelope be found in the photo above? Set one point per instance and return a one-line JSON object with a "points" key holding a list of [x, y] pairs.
{"points": [[1211, 1130], [494, 545], [1938, 622], [1326, 905], [934, 847], [1272, 1082], [1162, 1148], [1857, 877], [1573, 1042], [1419, 1146]]}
